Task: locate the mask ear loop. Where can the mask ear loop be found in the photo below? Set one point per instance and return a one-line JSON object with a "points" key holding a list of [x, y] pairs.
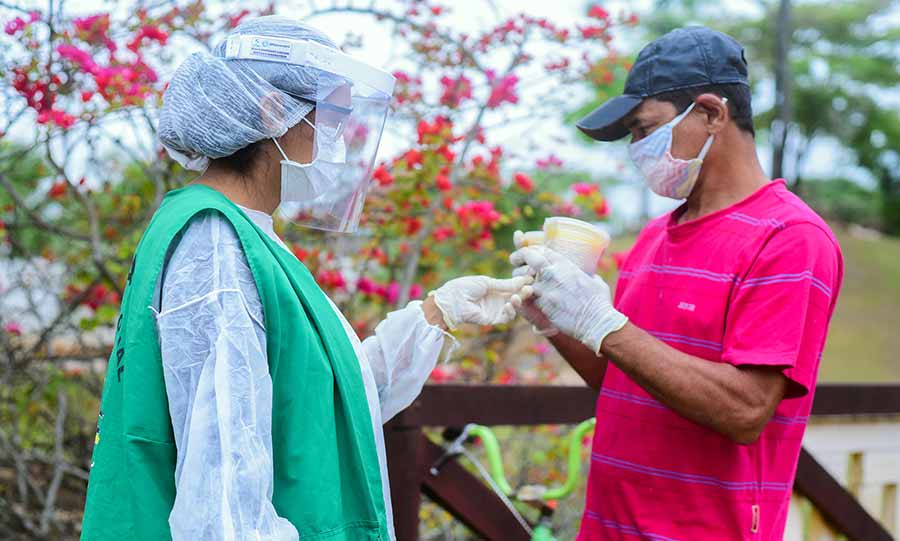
{"points": [[274, 140], [281, 150], [709, 140]]}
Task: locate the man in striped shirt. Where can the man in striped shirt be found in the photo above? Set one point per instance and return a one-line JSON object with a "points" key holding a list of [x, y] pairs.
{"points": [[706, 359]]}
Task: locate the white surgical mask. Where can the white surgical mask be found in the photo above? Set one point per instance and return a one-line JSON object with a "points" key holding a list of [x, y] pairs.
{"points": [[304, 182], [665, 174]]}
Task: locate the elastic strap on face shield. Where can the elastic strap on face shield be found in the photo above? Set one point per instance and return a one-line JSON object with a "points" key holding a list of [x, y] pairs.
{"points": [[308, 53]]}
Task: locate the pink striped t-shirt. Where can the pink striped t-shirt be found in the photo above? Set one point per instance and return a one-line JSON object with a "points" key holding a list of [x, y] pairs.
{"points": [[752, 284]]}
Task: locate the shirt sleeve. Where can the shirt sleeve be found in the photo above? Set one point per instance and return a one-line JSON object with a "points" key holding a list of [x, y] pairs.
{"points": [[780, 312], [213, 346], [402, 353]]}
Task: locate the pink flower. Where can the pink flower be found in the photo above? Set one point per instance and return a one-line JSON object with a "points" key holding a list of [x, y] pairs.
{"points": [[455, 90], [393, 292], [13, 328], [557, 65], [78, 56], [541, 348], [14, 26], [548, 162], [440, 375], [443, 233], [598, 12], [503, 90], [584, 188], [415, 291], [591, 32], [479, 211], [366, 286]]}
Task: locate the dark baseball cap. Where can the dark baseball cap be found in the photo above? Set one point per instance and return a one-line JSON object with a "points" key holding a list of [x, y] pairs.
{"points": [[683, 58]]}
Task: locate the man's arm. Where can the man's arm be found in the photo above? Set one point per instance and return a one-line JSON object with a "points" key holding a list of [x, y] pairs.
{"points": [[590, 367], [734, 401]]}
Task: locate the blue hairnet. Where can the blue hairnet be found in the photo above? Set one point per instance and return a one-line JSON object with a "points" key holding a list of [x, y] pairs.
{"points": [[214, 107]]}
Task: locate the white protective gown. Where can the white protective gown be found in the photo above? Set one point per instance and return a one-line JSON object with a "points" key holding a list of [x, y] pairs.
{"points": [[213, 344]]}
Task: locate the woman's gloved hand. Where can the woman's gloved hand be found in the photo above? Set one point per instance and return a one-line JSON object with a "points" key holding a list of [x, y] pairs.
{"points": [[480, 300], [539, 322], [576, 303]]}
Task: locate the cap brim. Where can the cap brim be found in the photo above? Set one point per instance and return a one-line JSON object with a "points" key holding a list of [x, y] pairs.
{"points": [[605, 122]]}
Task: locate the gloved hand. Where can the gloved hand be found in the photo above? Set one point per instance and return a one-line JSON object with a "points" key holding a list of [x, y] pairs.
{"points": [[539, 322], [578, 304], [480, 300]]}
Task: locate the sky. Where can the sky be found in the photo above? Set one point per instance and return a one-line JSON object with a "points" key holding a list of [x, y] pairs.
{"points": [[544, 135]]}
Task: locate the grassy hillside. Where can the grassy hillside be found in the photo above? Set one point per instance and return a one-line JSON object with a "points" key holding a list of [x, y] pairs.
{"points": [[864, 339]]}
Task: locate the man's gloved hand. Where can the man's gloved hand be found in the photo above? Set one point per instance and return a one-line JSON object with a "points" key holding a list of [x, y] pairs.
{"points": [[480, 300], [574, 302]]}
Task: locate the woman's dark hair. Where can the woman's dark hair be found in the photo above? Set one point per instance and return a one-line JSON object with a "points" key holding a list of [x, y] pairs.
{"points": [[738, 101], [242, 161]]}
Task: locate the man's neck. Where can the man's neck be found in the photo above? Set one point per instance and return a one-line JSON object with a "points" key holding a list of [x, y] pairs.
{"points": [[725, 181]]}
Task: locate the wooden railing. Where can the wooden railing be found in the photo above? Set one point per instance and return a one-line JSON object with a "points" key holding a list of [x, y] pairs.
{"points": [[469, 500]]}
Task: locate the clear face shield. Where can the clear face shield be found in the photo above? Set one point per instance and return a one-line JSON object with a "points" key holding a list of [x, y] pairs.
{"points": [[351, 105]]}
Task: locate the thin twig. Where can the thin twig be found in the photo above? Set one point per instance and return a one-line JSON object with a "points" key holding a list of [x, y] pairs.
{"points": [[58, 462]]}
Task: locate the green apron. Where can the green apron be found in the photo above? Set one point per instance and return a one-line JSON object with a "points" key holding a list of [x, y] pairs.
{"points": [[327, 480]]}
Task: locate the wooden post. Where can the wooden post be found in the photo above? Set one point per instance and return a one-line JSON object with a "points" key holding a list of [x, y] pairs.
{"points": [[889, 507], [405, 447], [855, 474]]}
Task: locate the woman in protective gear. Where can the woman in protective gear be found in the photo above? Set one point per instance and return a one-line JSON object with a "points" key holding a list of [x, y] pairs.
{"points": [[238, 402]]}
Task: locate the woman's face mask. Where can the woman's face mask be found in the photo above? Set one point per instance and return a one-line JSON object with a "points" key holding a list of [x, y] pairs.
{"points": [[304, 182], [665, 174]]}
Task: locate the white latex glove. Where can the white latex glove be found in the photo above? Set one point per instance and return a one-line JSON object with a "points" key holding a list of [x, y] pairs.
{"points": [[480, 300], [539, 322], [576, 303]]}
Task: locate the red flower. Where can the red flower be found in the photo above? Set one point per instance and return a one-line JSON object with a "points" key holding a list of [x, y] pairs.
{"points": [[413, 225], [446, 153], [443, 183], [236, 19], [602, 209], [153, 33], [299, 252], [598, 12], [413, 158], [383, 176], [584, 188], [524, 182], [58, 189]]}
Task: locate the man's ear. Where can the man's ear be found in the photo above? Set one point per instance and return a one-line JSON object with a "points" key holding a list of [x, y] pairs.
{"points": [[716, 110]]}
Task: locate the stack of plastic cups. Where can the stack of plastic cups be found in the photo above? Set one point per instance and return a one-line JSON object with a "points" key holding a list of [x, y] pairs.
{"points": [[581, 242]]}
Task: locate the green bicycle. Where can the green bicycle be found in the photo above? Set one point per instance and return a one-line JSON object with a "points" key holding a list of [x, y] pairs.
{"points": [[537, 495]]}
